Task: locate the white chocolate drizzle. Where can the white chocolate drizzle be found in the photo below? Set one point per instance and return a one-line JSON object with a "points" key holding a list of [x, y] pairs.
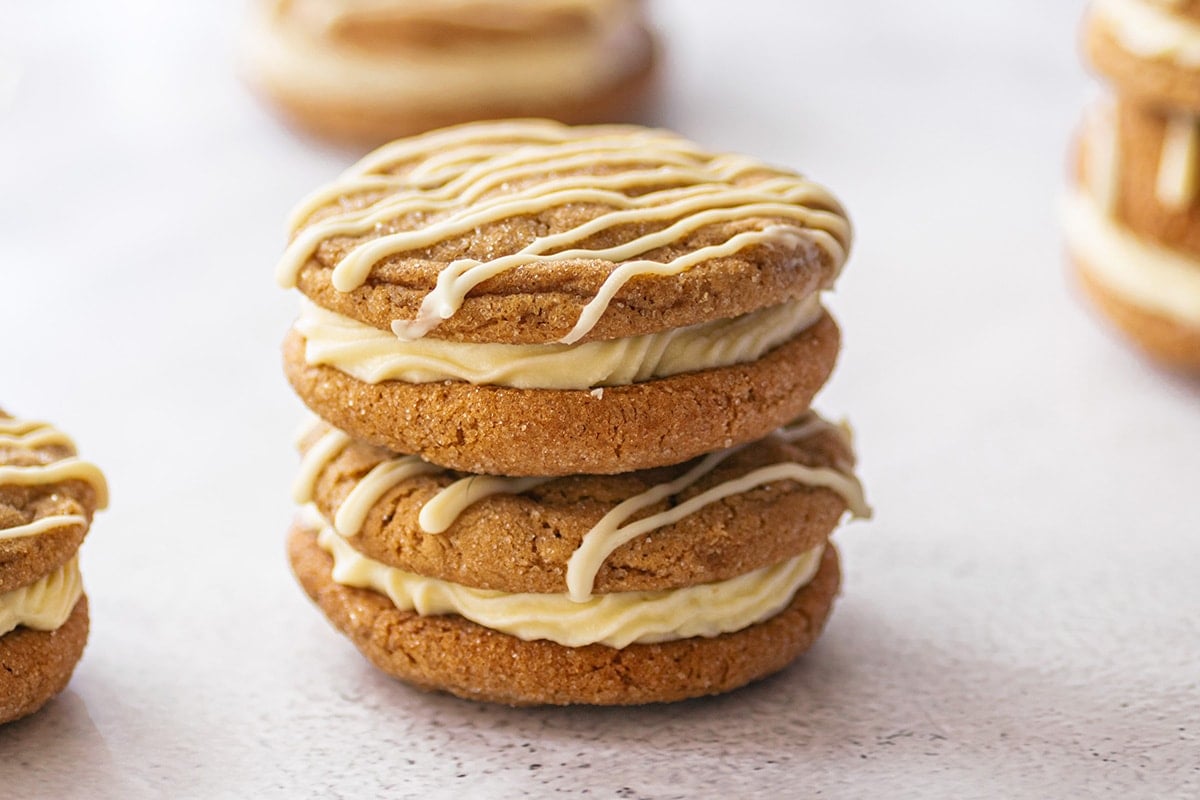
{"points": [[1176, 179], [441, 511], [31, 435], [477, 175]]}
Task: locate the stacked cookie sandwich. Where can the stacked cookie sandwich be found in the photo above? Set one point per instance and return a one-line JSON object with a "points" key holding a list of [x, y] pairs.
{"points": [[564, 451], [47, 498], [372, 70], [1133, 218]]}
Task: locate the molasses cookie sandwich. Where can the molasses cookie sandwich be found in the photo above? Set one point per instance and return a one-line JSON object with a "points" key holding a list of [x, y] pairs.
{"points": [[371, 70], [47, 498], [1132, 218], [528, 298], [1132, 224], [651, 586]]}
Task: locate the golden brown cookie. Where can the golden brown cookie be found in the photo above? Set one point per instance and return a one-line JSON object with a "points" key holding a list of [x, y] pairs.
{"points": [[465, 285], [366, 74], [36, 665], [451, 654], [1149, 51], [521, 538], [1132, 246], [47, 498], [497, 430]]}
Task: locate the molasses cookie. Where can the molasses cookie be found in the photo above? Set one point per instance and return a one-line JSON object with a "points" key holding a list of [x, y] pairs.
{"points": [[1132, 225], [372, 71], [650, 587], [47, 498], [1148, 49], [483, 294]]}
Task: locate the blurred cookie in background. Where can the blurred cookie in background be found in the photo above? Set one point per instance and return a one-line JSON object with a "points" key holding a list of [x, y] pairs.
{"points": [[367, 71], [1132, 219]]}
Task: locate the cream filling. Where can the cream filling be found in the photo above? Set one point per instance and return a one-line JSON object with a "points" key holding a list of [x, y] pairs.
{"points": [[45, 605], [616, 620], [1156, 278], [294, 56], [374, 356], [1151, 32]]}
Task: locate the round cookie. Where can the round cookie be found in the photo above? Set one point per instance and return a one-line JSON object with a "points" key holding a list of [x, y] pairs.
{"points": [[365, 74], [1148, 287], [539, 238], [515, 537], [1149, 50], [449, 653], [43, 488], [497, 430], [36, 665]]}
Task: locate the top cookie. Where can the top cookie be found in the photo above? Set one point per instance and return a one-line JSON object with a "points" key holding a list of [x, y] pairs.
{"points": [[1149, 49], [47, 498], [530, 232]]}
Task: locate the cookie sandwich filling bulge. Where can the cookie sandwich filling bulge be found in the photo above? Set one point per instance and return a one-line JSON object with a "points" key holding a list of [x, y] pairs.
{"points": [[372, 356], [577, 617], [44, 605], [1148, 31]]}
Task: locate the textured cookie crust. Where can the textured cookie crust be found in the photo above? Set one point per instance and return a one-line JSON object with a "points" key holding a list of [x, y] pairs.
{"points": [[1168, 341], [501, 431], [36, 665], [541, 302], [1140, 134], [1154, 82], [29, 559], [451, 654], [521, 543], [626, 100]]}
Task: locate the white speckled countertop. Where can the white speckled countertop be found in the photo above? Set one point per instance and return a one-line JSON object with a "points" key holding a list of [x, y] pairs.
{"points": [[1022, 618]]}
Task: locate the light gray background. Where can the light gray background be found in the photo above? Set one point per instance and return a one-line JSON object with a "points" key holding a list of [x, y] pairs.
{"points": [[1022, 618]]}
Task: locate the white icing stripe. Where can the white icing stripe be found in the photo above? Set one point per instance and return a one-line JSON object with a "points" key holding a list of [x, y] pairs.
{"points": [[615, 620], [44, 605], [1162, 281], [65, 470], [444, 508], [603, 539], [43, 525], [1152, 32], [1103, 155], [689, 190], [1176, 180], [371, 487], [316, 459], [373, 356]]}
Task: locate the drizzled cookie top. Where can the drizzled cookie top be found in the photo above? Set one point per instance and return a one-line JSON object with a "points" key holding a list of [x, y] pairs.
{"points": [[44, 486], [531, 232]]}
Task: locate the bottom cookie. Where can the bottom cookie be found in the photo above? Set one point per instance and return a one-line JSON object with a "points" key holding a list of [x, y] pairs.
{"points": [[36, 665], [1167, 341], [451, 654]]}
